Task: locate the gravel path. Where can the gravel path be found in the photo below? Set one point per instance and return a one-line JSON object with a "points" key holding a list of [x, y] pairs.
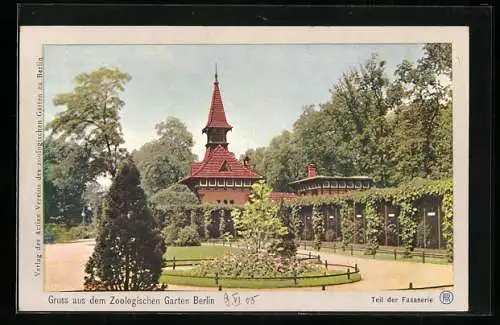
{"points": [[65, 263]]}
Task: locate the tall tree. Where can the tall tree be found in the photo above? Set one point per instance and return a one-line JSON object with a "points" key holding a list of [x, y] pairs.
{"points": [[164, 161], [66, 174], [357, 115], [129, 246], [424, 115], [92, 116]]}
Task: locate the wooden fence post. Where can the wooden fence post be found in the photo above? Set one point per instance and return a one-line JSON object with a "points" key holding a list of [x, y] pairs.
{"points": [[356, 267], [395, 256], [423, 256], [216, 278], [295, 277], [334, 247], [220, 288], [326, 265], [319, 258], [323, 287], [173, 266], [309, 255], [348, 274], [410, 286], [352, 250]]}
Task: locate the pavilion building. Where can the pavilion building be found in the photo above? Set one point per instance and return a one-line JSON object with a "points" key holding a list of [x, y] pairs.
{"points": [[315, 185], [220, 178]]}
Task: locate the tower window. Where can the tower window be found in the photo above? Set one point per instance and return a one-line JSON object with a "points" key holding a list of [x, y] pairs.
{"points": [[218, 201], [229, 182], [211, 182], [231, 201], [225, 201], [220, 182], [237, 182], [225, 167]]}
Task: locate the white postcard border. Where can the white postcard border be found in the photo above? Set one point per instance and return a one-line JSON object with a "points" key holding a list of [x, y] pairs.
{"points": [[31, 296]]}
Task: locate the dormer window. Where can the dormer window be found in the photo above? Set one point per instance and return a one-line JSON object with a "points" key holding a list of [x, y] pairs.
{"points": [[225, 167]]}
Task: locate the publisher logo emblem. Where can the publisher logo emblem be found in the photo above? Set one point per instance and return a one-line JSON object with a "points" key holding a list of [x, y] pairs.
{"points": [[446, 297]]}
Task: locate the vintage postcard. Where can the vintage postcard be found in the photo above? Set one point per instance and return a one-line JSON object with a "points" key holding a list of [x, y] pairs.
{"points": [[178, 169]]}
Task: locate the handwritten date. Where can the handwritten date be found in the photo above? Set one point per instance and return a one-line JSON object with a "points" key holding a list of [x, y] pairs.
{"points": [[235, 299]]}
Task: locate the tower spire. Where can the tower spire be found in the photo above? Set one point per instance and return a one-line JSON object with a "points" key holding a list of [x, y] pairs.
{"points": [[216, 80]]}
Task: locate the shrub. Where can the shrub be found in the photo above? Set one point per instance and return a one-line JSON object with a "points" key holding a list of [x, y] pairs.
{"points": [[170, 234], [188, 236]]}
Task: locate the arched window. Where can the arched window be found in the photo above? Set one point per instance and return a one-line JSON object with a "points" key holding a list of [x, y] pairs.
{"points": [[225, 201], [231, 201]]}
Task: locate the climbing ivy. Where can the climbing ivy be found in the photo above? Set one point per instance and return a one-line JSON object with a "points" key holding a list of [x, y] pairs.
{"points": [[373, 228], [318, 221], [347, 224]]}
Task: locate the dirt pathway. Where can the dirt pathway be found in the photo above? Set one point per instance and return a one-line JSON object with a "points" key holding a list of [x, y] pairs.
{"points": [[65, 264]]}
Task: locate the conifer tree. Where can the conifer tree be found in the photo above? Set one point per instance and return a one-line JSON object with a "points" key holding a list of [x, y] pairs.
{"points": [[129, 247]]}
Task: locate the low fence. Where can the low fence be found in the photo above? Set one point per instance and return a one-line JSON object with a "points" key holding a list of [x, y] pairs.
{"points": [[421, 254], [350, 271]]}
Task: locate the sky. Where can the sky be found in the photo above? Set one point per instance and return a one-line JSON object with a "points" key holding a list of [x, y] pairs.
{"points": [[263, 87]]}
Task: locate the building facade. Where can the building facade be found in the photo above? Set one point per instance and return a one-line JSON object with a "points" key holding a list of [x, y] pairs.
{"points": [[220, 178], [315, 185]]}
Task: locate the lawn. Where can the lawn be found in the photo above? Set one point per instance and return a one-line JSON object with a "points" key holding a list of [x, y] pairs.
{"points": [[182, 277], [386, 256], [197, 252]]}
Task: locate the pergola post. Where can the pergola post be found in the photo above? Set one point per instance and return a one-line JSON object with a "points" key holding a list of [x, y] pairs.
{"points": [[439, 223]]}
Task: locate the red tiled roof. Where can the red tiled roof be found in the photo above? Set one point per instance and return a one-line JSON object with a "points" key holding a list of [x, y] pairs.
{"points": [[216, 116], [276, 196], [211, 165]]}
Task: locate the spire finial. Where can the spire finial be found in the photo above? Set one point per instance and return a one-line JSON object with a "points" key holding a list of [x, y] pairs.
{"points": [[216, 71]]}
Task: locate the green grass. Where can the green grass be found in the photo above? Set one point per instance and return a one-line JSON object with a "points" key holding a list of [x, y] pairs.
{"points": [[170, 277], [197, 252], [386, 256]]}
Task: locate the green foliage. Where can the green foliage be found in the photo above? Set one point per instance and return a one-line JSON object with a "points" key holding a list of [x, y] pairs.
{"points": [[188, 236], [63, 234], [165, 160], [207, 220], [347, 224], [373, 227], [174, 195], [222, 223], [170, 234], [391, 130], [286, 245], [259, 264], [129, 247], [258, 223], [318, 221], [66, 173], [91, 117]]}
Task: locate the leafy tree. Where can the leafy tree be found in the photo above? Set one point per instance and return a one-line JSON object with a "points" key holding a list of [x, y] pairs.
{"points": [[258, 223], [93, 197], [129, 247], [423, 116], [279, 165], [174, 195], [66, 174], [188, 236], [166, 160], [91, 117], [286, 245]]}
